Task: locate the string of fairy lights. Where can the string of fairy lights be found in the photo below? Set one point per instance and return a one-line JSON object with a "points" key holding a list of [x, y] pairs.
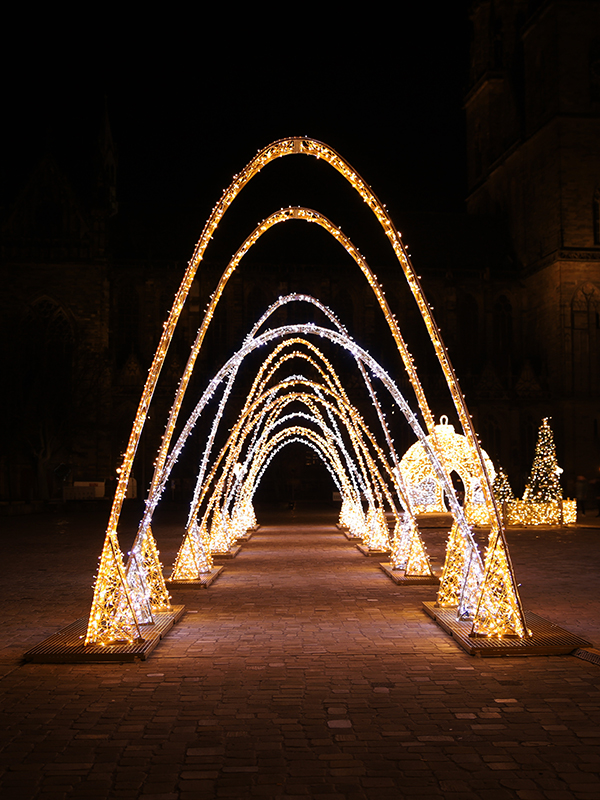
{"points": [[495, 588], [427, 493]]}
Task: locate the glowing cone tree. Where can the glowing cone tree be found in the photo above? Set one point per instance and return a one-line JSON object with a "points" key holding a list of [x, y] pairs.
{"points": [[543, 485], [502, 488]]}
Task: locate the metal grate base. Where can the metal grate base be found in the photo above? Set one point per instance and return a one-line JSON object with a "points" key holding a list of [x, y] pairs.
{"points": [[231, 553], [203, 582], [351, 538], [366, 551], [399, 577], [347, 533], [589, 654], [67, 646], [547, 639]]}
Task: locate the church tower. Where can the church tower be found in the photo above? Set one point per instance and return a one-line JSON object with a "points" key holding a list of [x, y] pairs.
{"points": [[533, 135]]}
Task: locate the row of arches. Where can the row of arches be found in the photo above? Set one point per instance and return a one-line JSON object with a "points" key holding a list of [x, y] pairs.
{"points": [[491, 615]]}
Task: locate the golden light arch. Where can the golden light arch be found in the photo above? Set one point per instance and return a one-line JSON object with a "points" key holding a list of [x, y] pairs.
{"points": [[273, 403], [280, 149], [262, 413], [285, 215], [307, 146]]}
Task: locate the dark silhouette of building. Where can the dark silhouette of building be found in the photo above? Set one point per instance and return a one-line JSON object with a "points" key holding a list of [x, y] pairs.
{"points": [[533, 138], [515, 282]]}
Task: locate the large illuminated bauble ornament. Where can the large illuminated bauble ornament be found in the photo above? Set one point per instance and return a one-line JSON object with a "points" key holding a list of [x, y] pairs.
{"points": [[453, 449]]}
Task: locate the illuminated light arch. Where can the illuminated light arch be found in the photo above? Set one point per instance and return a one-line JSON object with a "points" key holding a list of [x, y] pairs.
{"points": [[301, 145], [284, 215], [466, 599], [329, 375], [409, 530], [262, 424], [427, 493], [247, 422], [271, 441], [158, 484], [261, 381], [258, 383], [472, 569]]}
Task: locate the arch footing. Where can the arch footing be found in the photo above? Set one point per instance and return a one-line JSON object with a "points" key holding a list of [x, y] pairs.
{"points": [[231, 553], [203, 581], [370, 551], [400, 577], [546, 639], [67, 646]]}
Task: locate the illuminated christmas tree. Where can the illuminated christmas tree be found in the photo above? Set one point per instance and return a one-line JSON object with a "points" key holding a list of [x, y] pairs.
{"points": [[502, 488], [543, 485]]}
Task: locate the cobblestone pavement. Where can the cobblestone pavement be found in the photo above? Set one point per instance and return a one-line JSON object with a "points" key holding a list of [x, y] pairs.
{"points": [[303, 672]]}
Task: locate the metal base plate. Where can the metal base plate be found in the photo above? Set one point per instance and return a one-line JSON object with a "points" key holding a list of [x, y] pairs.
{"points": [[547, 639], [203, 582], [399, 577], [231, 553], [67, 646], [590, 654], [347, 533], [368, 552]]}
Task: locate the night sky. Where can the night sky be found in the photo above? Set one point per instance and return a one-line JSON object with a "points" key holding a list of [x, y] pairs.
{"points": [[191, 102]]}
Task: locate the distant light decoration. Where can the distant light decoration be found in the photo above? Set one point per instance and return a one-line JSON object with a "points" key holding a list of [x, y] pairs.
{"points": [[502, 488], [542, 502], [555, 512], [512, 620], [417, 563], [352, 517], [543, 485], [424, 495], [456, 568], [427, 492], [219, 540]]}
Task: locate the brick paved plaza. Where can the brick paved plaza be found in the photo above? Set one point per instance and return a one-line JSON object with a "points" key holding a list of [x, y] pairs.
{"points": [[302, 672]]}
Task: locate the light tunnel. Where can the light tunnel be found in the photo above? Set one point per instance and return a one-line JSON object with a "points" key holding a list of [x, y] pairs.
{"points": [[505, 617]]}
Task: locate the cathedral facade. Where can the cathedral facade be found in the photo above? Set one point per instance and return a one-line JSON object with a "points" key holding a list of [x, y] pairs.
{"points": [[533, 143], [514, 282]]}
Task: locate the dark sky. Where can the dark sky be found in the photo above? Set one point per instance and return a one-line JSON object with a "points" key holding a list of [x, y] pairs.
{"points": [[191, 101]]}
